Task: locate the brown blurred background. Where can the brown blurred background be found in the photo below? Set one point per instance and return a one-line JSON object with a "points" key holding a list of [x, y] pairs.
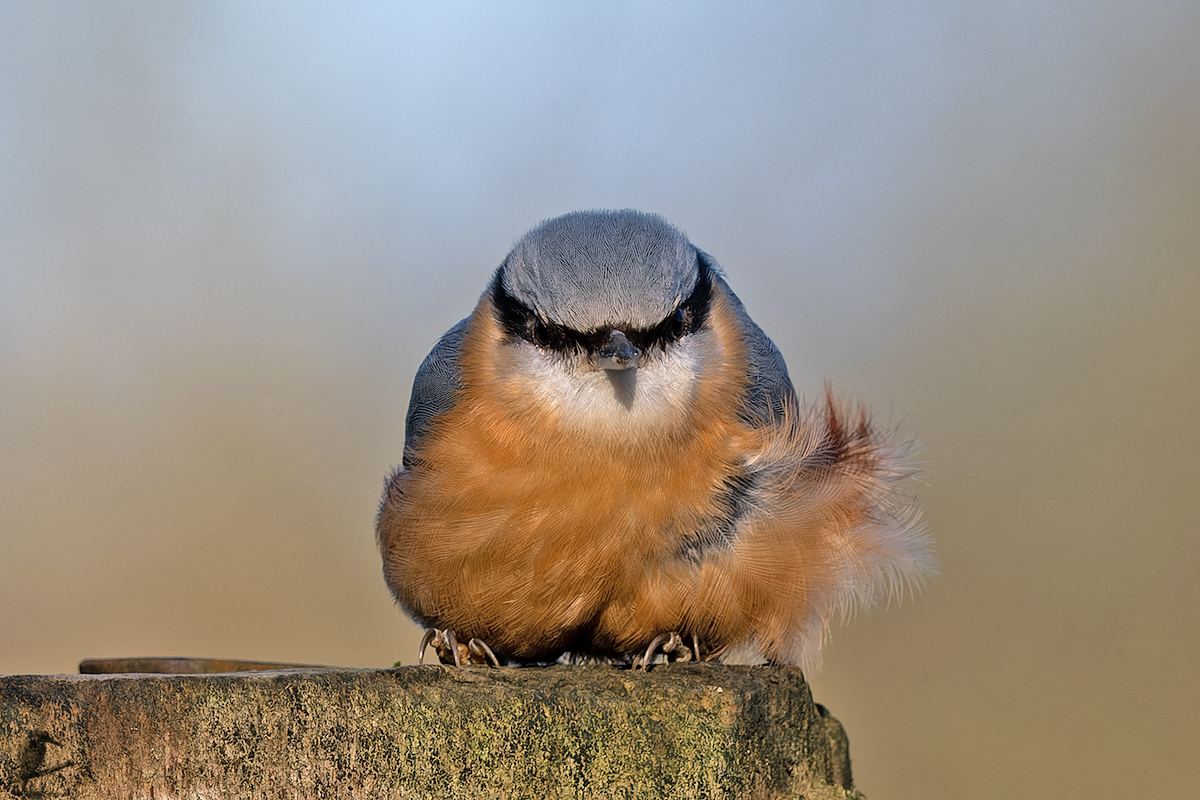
{"points": [[229, 233]]}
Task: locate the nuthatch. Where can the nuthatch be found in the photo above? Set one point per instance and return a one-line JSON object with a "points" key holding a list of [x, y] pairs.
{"points": [[608, 454]]}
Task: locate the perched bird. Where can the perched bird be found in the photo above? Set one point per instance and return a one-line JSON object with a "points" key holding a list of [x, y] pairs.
{"points": [[607, 456]]}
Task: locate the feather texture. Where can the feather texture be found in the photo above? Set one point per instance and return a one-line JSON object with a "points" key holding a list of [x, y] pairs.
{"points": [[544, 511]]}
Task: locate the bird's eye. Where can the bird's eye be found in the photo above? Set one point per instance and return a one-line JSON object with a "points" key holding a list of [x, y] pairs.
{"points": [[679, 323], [538, 332]]}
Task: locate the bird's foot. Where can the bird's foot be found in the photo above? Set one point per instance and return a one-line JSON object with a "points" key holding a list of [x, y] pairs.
{"points": [[451, 651], [671, 644]]}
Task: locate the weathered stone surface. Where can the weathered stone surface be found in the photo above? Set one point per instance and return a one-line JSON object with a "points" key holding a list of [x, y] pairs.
{"points": [[678, 731], [180, 666]]}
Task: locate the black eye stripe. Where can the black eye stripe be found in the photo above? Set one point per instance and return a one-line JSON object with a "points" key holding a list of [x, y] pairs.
{"points": [[521, 322]]}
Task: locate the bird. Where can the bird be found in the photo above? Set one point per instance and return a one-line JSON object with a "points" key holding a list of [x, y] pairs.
{"points": [[607, 458]]}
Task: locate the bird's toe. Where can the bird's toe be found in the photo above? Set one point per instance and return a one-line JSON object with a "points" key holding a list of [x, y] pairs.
{"points": [[478, 652], [451, 651], [673, 648]]}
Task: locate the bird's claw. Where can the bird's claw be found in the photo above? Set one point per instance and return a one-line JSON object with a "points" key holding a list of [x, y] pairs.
{"points": [[671, 644], [451, 651], [478, 652]]}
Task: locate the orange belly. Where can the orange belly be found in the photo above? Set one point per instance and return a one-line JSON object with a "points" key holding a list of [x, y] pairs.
{"points": [[539, 545]]}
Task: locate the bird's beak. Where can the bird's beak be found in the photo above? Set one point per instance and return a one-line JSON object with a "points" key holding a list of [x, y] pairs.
{"points": [[618, 354]]}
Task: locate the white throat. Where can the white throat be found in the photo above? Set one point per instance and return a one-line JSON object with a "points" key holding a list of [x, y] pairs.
{"points": [[616, 405]]}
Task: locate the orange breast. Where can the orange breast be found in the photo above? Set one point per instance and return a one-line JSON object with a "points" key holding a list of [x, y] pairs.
{"points": [[538, 540]]}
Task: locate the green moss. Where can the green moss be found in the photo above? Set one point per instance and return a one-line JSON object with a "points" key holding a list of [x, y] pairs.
{"points": [[678, 731]]}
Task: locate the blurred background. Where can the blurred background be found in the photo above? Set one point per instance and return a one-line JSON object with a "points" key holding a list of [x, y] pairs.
{"points": [[230, 231]]}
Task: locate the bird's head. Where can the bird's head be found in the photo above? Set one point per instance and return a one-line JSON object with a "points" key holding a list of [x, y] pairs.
{"points": [[605, 318]]}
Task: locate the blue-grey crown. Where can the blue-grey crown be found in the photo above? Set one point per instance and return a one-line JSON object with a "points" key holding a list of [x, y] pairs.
{"points": [[589, 270]]}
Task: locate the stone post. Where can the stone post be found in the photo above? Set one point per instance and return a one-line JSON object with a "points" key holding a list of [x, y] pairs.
{"points": [[677, 731]]}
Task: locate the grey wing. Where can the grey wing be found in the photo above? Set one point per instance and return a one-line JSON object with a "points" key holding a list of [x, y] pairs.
{"points": [[770, 392], [435, 388], [770, 387]]}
